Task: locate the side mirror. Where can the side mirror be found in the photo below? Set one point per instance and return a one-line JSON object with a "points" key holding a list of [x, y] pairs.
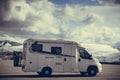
{"points": [[79, 60], [90, 57]]}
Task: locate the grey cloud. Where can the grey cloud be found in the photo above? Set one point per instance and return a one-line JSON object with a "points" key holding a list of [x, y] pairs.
{"points": [[14, 26], [4, 8], [113, 1], [117, 1], [117, 45], [7, 25], [88, 20]]}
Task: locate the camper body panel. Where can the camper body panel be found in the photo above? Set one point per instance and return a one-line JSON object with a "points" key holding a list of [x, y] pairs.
{"points": [[36, 61]]}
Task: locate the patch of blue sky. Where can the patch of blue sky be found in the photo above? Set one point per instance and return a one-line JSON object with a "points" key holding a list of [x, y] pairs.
{"points": [[78, 2]]}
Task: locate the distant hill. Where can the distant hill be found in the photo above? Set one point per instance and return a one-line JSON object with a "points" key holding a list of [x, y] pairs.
{"points": [[9, 46], [12, 43], [105, 53]]}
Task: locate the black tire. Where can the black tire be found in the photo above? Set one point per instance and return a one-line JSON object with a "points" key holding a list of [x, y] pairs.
{"points": [[46, 71], [39, 73], [92, 71], [83, 73]]}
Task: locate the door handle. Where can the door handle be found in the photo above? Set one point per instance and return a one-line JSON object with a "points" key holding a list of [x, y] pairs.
{"points": [[79, 60], [30, 62], [65, 59]]}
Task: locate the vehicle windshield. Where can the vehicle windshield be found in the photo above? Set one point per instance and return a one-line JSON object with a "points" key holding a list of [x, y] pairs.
{"points": [[84, 54]]}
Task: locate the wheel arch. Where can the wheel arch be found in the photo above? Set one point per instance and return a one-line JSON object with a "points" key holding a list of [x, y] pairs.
{"points": [[40, 71], [47, 67]]}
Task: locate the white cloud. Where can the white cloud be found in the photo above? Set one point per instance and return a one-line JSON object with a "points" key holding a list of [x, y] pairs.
{"points": [[18, 10], [44, 21], [94, 24]]}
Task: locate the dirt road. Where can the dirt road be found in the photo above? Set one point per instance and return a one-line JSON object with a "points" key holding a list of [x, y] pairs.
{"points": [[8, 72]]}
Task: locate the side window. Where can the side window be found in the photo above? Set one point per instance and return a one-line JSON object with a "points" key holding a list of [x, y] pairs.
{"points": [[37, 47], [56, 50]]}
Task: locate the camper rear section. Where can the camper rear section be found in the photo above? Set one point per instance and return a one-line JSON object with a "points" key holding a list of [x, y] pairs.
{"points": [[58, 56]]}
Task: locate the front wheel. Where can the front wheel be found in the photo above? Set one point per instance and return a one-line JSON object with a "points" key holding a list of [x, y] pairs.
{"points": [[92, 71]]}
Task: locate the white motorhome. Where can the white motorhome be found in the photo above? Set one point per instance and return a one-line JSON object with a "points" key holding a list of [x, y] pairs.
{"points": [[48, 56]]}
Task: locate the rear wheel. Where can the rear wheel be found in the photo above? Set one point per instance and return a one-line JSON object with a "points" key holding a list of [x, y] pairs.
{"points": [[46, 71], [92, 71]]}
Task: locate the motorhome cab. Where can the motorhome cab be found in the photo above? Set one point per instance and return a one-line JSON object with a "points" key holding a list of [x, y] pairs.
{"points": [[48, 56]]}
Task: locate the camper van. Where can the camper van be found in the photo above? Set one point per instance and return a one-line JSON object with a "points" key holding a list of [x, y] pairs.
{"points": [[49, 56]]}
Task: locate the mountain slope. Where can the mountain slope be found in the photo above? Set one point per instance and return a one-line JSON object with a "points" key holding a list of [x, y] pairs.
{"points": [[104, 53], [12, 43], [9, 46]]}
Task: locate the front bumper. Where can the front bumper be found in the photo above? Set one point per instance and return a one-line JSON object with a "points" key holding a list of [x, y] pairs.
{"points": [[99, 67]]}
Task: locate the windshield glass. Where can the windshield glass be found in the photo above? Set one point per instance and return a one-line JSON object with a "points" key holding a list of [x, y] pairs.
{"points": [[84, 54]]}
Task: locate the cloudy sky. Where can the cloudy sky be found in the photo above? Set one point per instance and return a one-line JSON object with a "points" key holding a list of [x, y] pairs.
{"points": [[88, 21]]}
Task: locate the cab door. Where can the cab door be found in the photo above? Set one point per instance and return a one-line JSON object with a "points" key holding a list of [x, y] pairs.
{"points": [[84, 60]]}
